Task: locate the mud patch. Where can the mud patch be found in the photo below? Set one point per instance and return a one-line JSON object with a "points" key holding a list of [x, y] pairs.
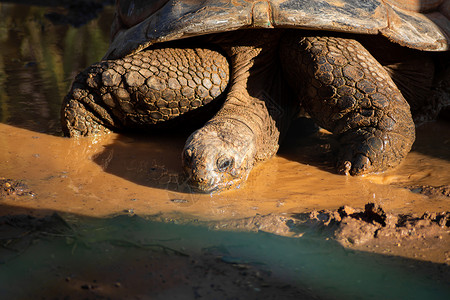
{"points": [[431, 191], [11, 188], [425, 236]]}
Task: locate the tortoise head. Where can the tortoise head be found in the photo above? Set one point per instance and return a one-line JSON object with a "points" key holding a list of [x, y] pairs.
{"points": [[219, 156]]}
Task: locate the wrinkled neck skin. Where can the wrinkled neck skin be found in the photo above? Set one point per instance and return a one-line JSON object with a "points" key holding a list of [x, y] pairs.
{"points": [[247, 128]]}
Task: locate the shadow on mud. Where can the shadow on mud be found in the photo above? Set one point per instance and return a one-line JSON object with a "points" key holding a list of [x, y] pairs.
{"points": [[130, 255], [153, 161], [319, 148]]}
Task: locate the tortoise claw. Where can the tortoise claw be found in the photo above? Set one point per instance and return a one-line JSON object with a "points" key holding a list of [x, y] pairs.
{"points": [[358, 165]]}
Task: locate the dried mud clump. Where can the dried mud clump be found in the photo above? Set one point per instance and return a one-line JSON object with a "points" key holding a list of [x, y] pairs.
{"points": [[10, 187], [350, 226], [434, 191]]}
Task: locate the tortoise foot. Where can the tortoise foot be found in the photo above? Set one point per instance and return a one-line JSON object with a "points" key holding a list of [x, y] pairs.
{"points": [[81, 113], [79, 121], [367, 150]]}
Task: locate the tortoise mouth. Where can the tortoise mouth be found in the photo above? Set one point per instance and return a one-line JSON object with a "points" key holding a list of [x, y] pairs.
{"points": [[208, 187]]}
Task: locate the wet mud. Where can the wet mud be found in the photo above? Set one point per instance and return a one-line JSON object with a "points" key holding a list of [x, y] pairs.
{"points": [[399, 218], [375, 230], [142, 174], [9, 188]]}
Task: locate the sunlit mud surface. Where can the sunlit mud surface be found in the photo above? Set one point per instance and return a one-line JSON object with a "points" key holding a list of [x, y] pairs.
{"points": [[104, 177], [142, 175]]}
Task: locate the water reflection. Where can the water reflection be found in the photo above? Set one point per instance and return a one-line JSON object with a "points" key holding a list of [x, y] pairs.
{"points": [[39, 60]]}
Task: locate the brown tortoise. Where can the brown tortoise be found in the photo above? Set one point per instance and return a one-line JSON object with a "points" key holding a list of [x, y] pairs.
{"points": [[260, 62]]}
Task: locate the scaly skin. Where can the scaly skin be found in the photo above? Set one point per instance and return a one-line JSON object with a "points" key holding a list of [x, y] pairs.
{"points": [[350, 94]]}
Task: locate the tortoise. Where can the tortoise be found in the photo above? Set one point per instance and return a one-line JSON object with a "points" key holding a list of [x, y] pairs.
{"points": [[249, 67]]}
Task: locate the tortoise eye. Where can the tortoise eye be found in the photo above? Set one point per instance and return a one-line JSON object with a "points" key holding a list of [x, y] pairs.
{"points": [[224, 163]]}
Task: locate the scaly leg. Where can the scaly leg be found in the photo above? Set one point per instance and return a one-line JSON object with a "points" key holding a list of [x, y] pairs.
{"points": [[140, 90], [346, 91]]}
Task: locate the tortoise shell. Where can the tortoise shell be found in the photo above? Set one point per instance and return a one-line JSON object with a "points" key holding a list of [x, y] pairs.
{"points": [[418, 24]]}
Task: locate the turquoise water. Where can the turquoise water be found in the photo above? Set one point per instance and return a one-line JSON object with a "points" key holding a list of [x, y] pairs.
{"points": [[321, 265]]}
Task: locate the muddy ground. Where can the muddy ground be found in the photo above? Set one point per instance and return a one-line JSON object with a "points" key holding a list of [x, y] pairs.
{"points": [[86, 229]]}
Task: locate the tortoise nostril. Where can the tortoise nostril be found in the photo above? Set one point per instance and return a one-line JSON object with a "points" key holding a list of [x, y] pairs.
{"points": [[187, 155]]}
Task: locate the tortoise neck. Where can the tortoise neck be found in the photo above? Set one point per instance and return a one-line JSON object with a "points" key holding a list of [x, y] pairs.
{"points": [[258, 95]]}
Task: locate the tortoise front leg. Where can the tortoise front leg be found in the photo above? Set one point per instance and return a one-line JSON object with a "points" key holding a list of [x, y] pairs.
{"points": [[346, 91], [140, 90]]}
